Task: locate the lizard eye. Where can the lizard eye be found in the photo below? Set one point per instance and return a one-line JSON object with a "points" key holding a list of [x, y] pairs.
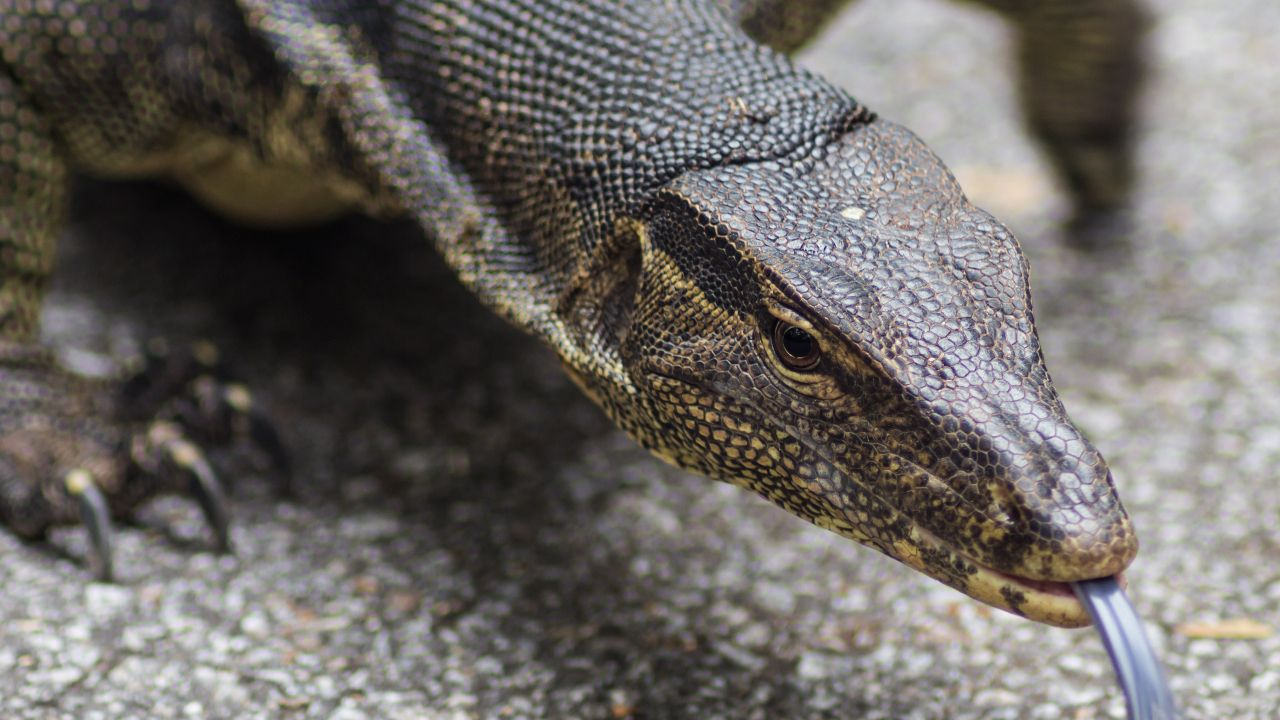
{"points": [[795, 346]]}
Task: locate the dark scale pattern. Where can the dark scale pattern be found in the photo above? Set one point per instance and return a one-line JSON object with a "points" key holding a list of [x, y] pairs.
{"points": [[33, 188], [640, 184], [594, 136]]}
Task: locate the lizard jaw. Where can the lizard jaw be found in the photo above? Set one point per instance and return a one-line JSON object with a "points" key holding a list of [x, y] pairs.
{"points": [[1046, 601]]}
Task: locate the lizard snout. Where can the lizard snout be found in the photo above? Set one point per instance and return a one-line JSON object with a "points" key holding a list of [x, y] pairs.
{"points": [[1055, 513]]}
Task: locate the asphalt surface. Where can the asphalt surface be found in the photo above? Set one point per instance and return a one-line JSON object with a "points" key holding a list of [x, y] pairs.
{"points": [[472, 539]]}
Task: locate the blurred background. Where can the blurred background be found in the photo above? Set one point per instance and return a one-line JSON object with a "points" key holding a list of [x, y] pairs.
{"points": [[473, 539]]}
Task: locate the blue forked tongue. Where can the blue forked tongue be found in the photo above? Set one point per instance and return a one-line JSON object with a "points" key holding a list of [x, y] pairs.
{"points": [[1146, 691]]}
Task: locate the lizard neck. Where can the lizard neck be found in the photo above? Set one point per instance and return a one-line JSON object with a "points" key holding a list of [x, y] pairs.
{"points": [[563, 119]]}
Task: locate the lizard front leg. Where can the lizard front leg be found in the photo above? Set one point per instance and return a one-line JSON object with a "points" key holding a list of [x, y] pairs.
{"points": [[78, 450], [1080, 71]]}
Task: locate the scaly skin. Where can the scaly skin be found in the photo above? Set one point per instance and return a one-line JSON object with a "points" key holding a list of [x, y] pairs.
{"points": [[680, 213]]}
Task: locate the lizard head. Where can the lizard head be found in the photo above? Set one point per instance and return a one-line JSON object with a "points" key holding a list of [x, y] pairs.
{"points": [[853, 340]]}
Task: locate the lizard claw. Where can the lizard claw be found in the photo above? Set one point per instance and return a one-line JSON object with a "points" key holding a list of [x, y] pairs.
{"points": [[126, 442], [219, 412], [164, 374], [262, 432], [96, 517], [203, 484]]}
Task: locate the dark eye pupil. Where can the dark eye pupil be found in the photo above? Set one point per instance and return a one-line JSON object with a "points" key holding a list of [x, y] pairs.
{"points": [[798, 343], [795, 347]]}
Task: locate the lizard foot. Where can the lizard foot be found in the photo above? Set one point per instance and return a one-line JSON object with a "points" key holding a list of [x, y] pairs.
{"points": [[79, 450], [193, 387], [1101, 232]]}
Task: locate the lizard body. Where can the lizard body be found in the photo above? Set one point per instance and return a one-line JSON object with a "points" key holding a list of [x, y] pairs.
{"points": [[749, 271]]}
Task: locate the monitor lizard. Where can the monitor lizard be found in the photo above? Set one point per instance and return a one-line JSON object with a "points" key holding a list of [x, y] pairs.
{"points": [[755, 276]]}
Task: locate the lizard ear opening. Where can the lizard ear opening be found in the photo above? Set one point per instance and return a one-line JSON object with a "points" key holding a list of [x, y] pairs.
{"points": [[598, 306], [621, 286]]}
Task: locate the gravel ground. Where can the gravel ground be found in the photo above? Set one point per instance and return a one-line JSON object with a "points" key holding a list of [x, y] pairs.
{"points": [[474, 540]]}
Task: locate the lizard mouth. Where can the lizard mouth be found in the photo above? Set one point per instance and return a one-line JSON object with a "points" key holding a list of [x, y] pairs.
{"points": [[1052, 602], [1047, 601]]}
